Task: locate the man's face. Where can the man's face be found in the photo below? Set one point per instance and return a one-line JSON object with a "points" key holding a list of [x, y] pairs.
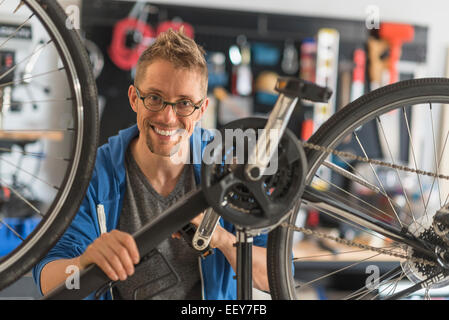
{"points": [[164, 131]]}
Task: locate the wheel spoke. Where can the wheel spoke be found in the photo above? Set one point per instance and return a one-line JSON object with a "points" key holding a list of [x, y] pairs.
{"points": [[437, 164], [12, 35], [410, 207], [352, 224], [380, 212], [404, 112], [11, 229], [22, 197], [339, 270], [377, 178], [28, 58], [326, 255], [394, 284], [27, 78], [385, 278], [29, 173], [441, 159]]}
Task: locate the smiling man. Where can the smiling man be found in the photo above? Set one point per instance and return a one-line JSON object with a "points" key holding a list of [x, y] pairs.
{"points": [[135, 180]]}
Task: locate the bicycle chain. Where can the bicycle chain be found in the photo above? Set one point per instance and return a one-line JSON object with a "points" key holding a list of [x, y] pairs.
{"points": [[351, 156], [346, 242]]}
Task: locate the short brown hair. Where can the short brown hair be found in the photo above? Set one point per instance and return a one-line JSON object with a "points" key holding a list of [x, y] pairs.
{"points": [[177, 48]]}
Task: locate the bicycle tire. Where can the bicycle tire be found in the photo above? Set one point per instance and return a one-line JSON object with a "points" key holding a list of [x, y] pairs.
{"points": [[365, 108], [77, 177]]}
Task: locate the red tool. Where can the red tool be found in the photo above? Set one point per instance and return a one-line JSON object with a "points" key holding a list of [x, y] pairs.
{"points": [[358, 74], [395, 34], [123, 56]]}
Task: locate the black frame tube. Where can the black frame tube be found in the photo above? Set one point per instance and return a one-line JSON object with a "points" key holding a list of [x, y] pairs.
{"points": [[343, 210], [147, 238], [244, 265]]}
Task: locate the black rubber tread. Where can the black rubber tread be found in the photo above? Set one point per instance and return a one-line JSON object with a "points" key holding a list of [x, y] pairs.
{"points": [[88, 150], [277, 249]]}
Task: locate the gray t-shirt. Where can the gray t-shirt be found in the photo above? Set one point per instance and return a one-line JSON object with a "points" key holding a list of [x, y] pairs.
{"points": [[141, 205]]}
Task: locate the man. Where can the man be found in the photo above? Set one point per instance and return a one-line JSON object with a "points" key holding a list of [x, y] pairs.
{"points": [[135, 179]]}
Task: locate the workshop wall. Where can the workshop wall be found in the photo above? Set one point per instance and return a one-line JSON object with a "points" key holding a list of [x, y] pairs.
{"points": [[417, 12], [265, 29]]}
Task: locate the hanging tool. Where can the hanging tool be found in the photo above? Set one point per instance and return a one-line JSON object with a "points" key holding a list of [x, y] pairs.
{"points": [[326, 72], [358, 74], [396, 35], [244, 79], [235, 57], [122, 53], [290, 61], [307, 72], [326, 75], [381, 73], [377, 65]]}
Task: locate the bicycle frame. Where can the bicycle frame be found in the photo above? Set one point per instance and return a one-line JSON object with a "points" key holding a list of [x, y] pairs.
{"points": [[177, 216]]}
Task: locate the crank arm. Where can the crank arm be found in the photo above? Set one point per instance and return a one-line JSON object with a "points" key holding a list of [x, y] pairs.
{"points": [[205, 230]]}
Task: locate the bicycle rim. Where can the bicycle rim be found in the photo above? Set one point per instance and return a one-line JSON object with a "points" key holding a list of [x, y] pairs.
{"points": [[49, 173], [328, 270]]}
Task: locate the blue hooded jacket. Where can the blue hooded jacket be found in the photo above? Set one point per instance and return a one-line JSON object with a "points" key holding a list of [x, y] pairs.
{"points": [[107, 188]]}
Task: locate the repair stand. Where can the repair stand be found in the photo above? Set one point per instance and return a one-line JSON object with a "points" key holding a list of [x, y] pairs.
{"points": [[244, 265]]}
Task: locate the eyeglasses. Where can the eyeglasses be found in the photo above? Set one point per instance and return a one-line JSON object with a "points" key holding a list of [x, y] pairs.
{"points": [[155, 103]]}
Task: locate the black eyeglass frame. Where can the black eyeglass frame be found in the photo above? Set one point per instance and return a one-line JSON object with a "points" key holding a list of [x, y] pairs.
{"points": [[173, 104]]}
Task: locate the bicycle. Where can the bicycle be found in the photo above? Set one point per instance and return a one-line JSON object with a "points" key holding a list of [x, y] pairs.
{"points": [[255, 202]]}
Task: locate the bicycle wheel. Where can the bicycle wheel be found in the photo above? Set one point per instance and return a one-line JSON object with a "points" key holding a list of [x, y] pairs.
{"points": [[335, 255], [48, 131]]}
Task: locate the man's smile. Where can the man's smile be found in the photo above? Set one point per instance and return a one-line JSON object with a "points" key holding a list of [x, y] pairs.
{"points": [[166, 133]]}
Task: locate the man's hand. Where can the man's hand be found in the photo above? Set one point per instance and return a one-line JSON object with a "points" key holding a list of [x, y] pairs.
{"points": [[114, 252], [217, 236]]}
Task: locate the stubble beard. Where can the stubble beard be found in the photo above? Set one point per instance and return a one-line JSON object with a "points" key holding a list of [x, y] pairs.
{"points": [[173, 150]]}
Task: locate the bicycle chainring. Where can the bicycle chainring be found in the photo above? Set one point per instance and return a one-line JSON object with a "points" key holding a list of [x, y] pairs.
{"points": [[244, 202]]}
